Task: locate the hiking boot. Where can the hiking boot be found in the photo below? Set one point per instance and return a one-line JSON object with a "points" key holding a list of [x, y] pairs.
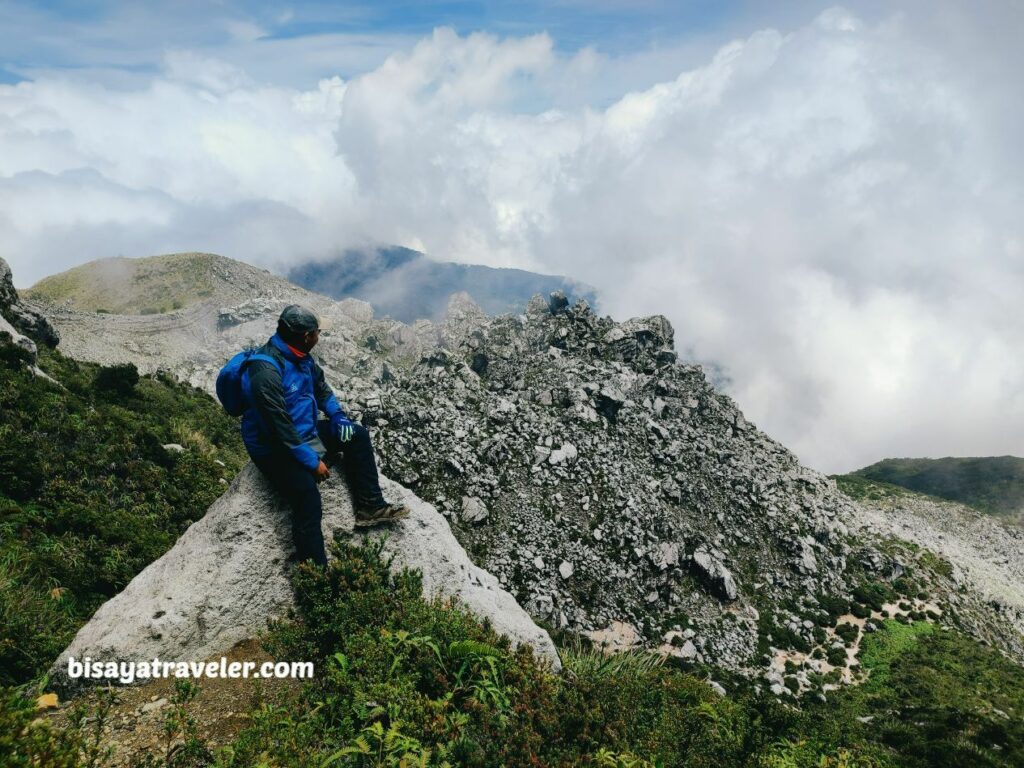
{"points": [[383, 514]]}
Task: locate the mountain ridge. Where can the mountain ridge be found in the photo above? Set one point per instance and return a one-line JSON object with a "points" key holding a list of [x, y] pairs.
{"points": [[408, 285], [398, 282], [992, 484], [608, 486], [152, 284]]}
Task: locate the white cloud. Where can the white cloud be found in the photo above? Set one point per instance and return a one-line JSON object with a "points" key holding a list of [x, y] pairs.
{"points": [[830, 213]]}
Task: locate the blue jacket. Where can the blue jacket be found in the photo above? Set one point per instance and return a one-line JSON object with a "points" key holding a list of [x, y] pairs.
{"points": [[283, 404]]}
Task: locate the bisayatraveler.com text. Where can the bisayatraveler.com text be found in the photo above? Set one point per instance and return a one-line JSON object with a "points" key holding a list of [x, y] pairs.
{"points": [[127, 672]]}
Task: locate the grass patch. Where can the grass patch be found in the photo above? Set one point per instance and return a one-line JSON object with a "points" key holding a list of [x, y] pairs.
{"points": [[88, 495], [864, 489], [936, 563], [936, 698], [880, 648]]}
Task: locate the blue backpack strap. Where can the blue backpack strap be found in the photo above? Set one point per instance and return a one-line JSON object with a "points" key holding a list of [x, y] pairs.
{"points": [[266, 358]]}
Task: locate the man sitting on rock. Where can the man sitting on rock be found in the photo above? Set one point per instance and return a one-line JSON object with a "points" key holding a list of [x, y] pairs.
{"points": [[286, 438]]}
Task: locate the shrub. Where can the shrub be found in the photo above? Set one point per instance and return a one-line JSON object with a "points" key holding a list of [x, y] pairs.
{"points": [[807, 753], [834, 606], [874, 594], [936, 563], [11, 355], [938, 698], [781, 637], [87, 495], [425, 677], [848, 632], [26, 741], [861, 611], [836, 657], [117, 381]]}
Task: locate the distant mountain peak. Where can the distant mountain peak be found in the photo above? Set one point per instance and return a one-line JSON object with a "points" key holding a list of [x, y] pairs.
{"points": [[398, 282], [408, 285]]}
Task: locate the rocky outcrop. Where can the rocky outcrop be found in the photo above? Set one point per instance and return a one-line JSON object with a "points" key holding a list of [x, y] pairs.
{"points": [[24, 320], [25, 347], [21, 327], [602, 481], [227, 575], [713, 572], [621, 488]]}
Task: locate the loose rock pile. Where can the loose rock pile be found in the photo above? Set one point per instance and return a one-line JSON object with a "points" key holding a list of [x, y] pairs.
{"points": [[605, 483], [601, 480]]}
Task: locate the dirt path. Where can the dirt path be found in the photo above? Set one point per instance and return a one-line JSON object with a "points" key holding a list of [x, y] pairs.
{"points": [[135, 724]]}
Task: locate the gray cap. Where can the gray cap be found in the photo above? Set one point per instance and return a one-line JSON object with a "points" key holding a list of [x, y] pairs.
{"points": [[299, 319]]}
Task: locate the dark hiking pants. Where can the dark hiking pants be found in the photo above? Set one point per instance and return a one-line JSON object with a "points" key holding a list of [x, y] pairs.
{"points": [[297, 485]]}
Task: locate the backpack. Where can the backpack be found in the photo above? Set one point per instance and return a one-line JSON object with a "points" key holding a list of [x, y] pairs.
{"points": [[229, 380]]}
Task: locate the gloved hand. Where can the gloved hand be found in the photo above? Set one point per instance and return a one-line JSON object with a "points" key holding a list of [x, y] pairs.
{"points": [[342, 427]]}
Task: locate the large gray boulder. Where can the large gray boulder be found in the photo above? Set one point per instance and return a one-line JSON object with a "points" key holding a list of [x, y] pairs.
{"points": [[25, 320], [9, 335], [226, 576]]}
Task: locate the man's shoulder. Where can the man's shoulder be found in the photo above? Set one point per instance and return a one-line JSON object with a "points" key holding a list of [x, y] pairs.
{"points": [[268, 349], [260, 366]]}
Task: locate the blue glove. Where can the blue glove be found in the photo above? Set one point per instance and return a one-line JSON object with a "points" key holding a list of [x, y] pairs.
{"points": [[342, 427]]}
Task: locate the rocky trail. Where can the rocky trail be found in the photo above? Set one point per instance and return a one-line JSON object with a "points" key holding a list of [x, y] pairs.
{"points": [[131, 722]]}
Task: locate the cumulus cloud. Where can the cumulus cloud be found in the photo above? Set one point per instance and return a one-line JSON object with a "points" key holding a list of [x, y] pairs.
{"points": [[200, 159], [828, 213]]}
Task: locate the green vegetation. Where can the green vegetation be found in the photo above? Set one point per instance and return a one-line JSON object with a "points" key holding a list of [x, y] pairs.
{"points": [[874, 594], [836, 657], [848, 632], [834, 607], [24, 742], [863, 489], [936, 563], [147, 286], [881, 650], [426, 682], [993, 484], [937, 698], [403, 681], [88, 495]]}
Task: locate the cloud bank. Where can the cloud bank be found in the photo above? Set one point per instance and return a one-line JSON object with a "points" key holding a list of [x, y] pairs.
{"points": [[830, 214]]}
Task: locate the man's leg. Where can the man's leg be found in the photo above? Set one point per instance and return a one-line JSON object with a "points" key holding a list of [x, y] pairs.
{"points": [[298, 487], [357, 462]]}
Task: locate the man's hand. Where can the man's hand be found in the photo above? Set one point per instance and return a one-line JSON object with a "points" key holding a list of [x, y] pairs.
{"points": [[321, 473], [343, 428]]}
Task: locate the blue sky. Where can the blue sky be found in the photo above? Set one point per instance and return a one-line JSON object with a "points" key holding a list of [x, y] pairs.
{"points": [[824, 199], [111, 40]]}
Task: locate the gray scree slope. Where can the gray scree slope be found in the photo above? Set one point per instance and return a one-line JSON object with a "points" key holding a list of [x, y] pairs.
{"points": [[605, 483]]}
